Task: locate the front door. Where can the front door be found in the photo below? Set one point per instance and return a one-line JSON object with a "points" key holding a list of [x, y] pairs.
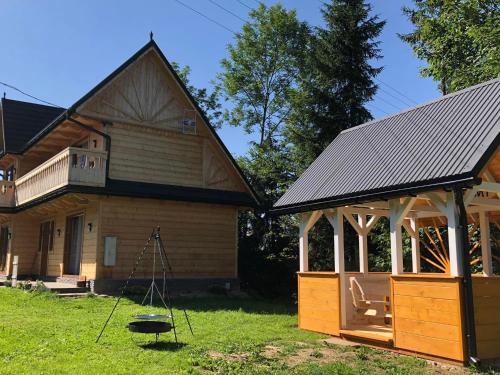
{"points": [[73, 246], [45, 245], [4, 247]]}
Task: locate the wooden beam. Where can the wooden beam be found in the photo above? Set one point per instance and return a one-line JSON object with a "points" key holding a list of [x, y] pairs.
{"points": [[437, 201], [354, 223], [306, 223], [415, 246], [484, 225], [494, 204], [336, 219], [396, 239], [363, 244], [371, 223]]}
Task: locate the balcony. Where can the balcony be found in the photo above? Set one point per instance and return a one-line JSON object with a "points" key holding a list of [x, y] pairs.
{"points": [[72, 166]]}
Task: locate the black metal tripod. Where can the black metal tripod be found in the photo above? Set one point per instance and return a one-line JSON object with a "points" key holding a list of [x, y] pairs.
{"points": [[159, 249]]}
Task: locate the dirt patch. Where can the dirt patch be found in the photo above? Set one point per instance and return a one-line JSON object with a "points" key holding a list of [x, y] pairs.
{"points": [[322, 355], [236, 357], [271, 351]]}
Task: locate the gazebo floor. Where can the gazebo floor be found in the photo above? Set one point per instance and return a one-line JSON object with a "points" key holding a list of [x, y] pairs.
{"points": [[380, 334]]}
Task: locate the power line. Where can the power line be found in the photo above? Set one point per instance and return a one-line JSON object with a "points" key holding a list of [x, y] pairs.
{"points": [[205, 16], [396, 91], [29, 95], [245, 5], [227, 10], [405, 102], [387, 102], [379, 109]]}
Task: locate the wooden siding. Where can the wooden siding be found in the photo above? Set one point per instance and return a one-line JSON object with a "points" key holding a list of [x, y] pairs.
{"points": [[319, 302], [149, 142], [24, 243], [427, 315], [200, 239], [25, 237], [487, 315]]}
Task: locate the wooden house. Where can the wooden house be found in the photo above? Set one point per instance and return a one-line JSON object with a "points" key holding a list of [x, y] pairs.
{"points": [[84, 187], [437, 164]]}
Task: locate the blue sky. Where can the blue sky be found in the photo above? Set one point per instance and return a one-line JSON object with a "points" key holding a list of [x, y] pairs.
{"points": [[58, 50]]}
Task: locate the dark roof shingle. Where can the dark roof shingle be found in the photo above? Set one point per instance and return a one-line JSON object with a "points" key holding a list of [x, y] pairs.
{"points": [[23, 120], [432, 142]]}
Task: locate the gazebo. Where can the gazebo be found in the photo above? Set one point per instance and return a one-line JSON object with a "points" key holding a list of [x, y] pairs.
{"points": [[438, 165]]}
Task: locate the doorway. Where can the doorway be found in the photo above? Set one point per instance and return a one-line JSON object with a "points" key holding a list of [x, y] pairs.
{"points": [[4, 247], [73, 245], [46, 244]]}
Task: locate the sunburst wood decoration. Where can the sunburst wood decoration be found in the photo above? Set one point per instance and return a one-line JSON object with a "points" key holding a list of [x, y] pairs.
{"points": [[142, 94], [215, 174], [438, 252]]}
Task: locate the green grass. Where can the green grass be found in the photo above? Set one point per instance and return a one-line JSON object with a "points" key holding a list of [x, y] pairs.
{"points": [[42, 334]]}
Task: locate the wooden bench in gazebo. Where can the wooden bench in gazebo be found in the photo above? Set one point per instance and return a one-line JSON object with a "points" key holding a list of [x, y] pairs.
{"points": [[433, 171]]}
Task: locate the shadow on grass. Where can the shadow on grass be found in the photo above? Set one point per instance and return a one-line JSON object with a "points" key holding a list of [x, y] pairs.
{"points": [[162, 346], [252, 305]]}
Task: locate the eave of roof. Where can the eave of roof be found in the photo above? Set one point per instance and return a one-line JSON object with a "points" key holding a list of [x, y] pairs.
{"points": [[145, 190]]}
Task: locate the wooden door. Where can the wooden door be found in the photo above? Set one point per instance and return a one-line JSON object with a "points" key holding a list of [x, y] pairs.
{"points": [[45, 245], [73, 245], [4, 247]]}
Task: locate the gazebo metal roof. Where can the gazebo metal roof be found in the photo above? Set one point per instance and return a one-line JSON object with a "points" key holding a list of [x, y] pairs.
{"points": [[443, 142]]}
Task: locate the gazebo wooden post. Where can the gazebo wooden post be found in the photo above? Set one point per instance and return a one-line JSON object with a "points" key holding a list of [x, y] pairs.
{"points": [[304, 244], [307, 220], [484, 225], [336, 219], [396, 239], [363, 244], [415, 246]]}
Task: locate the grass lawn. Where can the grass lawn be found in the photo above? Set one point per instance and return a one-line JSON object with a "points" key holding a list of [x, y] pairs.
{"points": [[42, 334]]}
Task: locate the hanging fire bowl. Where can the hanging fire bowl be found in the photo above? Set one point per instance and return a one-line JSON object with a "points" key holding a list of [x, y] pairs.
{"points": [[149, 326]]}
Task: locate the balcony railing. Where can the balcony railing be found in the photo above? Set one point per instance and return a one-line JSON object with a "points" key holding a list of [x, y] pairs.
{"points": [[72, 166]]}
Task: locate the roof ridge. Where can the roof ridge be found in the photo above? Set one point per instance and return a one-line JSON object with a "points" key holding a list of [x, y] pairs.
{"points": [[32, 103], [418, 106]]}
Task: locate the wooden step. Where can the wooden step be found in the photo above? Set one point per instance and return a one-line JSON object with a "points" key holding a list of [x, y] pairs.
{"points": [[384, 338]]}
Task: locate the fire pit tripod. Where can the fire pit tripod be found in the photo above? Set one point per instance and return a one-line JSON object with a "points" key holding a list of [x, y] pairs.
{"points": [[152, 323]]}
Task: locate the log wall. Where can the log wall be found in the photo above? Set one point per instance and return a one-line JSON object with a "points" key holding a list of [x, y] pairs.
{"points": [[427, 315], [319, 302], [200, 239], [486, 291]]}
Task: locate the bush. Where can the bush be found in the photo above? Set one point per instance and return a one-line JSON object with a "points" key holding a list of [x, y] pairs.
{"points": [[24, 285], [39, 287]]}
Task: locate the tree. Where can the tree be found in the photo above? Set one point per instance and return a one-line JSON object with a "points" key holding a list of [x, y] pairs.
{"points": [[458, 39], [209, 102], [338, 79], [258, 79], [336, 83]]}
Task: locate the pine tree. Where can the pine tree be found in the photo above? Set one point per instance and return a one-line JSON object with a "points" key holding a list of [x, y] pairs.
{"points": [[337, 82], [338, 79]]}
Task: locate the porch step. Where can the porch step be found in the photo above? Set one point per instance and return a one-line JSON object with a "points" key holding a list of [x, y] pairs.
{"points": [[367, 335], [65, 288], [72, 295]]}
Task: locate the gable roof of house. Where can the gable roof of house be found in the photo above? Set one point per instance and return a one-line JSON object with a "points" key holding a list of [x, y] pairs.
{"points": [[446, 141], [22, 121], [148, 46]]}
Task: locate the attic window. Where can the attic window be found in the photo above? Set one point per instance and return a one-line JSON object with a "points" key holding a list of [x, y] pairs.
{"points": [[189, 122]]}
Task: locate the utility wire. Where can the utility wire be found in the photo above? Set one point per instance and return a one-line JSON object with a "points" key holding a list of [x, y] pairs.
{"points": [[29, 95], [205, 16], [405, 102], [396, 91], [245, 5], [227, 10]]}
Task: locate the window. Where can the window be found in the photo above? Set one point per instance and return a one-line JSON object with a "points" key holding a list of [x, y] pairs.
{"points": [[110, 251]]}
